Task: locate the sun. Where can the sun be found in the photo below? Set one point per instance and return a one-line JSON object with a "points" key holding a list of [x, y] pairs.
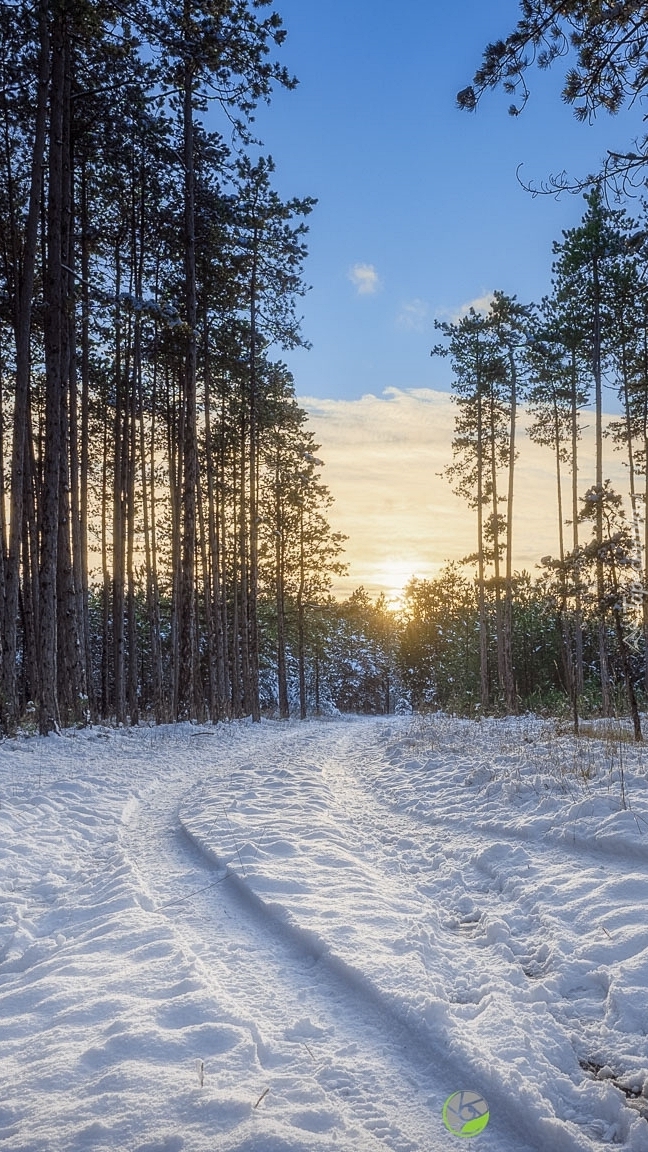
{"points": [[392, 575]]}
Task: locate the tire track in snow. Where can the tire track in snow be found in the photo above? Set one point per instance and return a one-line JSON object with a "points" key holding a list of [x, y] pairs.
{"points": [[481, 849], [365, 823], [522, 915], [309, 1025]]}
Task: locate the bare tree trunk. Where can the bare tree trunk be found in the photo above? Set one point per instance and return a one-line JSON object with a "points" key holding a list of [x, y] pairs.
{"points": [[175, 434], [85, 443], [254, 562], [3, 528], [244, 585], [483, 631], [133, 700], [301, 657], [221, 529], [106, 588], [24, 297], [606, 704], [509, 676], [237, 688], [284, 707], [72, 670], [568, 664], [152, 603], [54, 327], [212, 657], [187, 687], [578, 625], [496, 545], [119, 516], [213, 590]]}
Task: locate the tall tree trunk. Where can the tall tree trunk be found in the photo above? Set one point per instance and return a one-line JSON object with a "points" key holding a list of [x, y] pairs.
{"points": [[106, 702], [606, 703], [133, 678], [578, 618], [85, 442], [481, 592], [301, 623], [284, 707], [118, 534], [254, 562], [244, 584], [187, 688], [152, 602], [496, 543], [71, 670], [22, 323], [509, 675], [236, 677], [214, 590], [55, 322], [568, 664]]}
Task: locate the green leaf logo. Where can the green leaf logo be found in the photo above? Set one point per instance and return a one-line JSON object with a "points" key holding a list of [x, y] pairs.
{"points": [[465, 1113]]}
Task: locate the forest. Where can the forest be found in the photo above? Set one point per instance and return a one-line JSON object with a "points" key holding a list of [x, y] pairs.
{"points": [[165, 545]]}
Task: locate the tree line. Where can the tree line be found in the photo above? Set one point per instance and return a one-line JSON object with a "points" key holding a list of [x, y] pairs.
{"points": [[161, 492], [165, 550]]}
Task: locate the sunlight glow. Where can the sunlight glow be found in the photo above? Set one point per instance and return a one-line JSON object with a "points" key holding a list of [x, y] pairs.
{"points": [[393, 575]]}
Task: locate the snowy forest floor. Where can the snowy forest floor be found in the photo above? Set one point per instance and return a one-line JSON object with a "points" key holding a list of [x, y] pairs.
{"points": [[292, 937]]}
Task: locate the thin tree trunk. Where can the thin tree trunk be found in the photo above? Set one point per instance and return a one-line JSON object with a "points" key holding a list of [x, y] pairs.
{"points": [[214, 589], [578, 625], [509, 675], [483, 632], [54, 326], [284, 707], [606, 705], [85, 442], [244, 586], [496, 545], [301, 656], [254, 563], [187, 687], [119, 485], [568, 665], [106, 589], [152, 605]]}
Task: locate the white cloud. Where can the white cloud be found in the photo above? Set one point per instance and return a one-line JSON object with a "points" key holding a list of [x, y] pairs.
{"points": [[479, 304], [414, 316], [365, 278]]}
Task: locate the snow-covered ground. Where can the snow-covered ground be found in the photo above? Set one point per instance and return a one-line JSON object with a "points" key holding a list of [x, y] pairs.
{"points": [[292, 937]]}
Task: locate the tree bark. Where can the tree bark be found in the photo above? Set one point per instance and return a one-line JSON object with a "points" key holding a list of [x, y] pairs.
{"points": [[54, 329], [509, 675], [187, 688], [22, 326]]}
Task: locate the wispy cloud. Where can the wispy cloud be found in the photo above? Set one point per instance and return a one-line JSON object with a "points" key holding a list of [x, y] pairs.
{"points": [[365, 278], [414, 316], [479, 304]]}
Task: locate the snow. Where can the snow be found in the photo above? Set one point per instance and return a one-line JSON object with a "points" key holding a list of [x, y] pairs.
{"points": [[291, 937]]}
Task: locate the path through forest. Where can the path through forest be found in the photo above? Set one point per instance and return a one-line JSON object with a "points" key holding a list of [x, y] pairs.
{"points": [[333, 926]]}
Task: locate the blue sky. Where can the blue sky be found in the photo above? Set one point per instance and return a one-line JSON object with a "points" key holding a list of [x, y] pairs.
{"points": [[409, 187]]}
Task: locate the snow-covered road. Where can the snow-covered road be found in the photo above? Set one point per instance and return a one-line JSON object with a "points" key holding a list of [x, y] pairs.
{"points": [[343, 922]]}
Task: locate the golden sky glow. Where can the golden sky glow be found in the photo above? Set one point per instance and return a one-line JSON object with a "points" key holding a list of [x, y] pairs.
{"points": [[383, 455]]}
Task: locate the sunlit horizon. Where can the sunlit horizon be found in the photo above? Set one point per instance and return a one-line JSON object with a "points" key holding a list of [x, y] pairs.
{"points": [[384, 460]]}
